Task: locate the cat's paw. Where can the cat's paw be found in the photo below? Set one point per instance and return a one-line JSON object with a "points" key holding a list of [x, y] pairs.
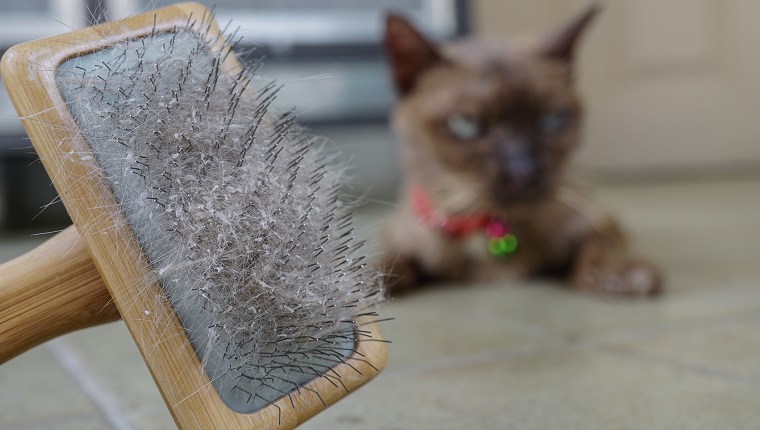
{"points": [[629, 278], [603, 272]]}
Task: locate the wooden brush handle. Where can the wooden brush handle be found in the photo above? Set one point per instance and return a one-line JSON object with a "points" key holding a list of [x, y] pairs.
{"points": [[51, 290]]}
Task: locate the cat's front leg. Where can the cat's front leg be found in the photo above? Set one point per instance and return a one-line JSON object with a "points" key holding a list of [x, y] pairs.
{"points": [[413, 255], [600, 268], [572, 231]]}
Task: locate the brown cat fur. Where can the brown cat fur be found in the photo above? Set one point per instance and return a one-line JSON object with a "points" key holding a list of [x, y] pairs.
{"points": [[489, 128]]}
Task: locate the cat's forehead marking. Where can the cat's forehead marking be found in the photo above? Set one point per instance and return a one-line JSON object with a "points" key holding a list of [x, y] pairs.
{"points": [[502, 89]]}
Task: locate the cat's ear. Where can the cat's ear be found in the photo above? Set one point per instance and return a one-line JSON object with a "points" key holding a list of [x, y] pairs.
{"points": [[409, 53], [561, 44]]}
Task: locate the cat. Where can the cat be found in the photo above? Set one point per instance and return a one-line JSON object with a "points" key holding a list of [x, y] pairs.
{"points": [[486, 131]]}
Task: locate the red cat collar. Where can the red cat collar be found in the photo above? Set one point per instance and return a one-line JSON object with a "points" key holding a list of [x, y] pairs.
{"points": [[501, 241]]}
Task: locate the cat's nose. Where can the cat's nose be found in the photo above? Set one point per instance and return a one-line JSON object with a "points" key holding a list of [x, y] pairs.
{"points": [[519, 165], [521, 171]]}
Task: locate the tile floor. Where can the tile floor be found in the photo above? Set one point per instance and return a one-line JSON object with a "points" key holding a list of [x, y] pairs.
{"points": [[527, 356]]}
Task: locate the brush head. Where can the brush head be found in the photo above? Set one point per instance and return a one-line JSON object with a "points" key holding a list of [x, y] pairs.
{"points": [[236, 210]]}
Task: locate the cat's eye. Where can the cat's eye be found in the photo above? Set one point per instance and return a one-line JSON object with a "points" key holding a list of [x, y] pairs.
{"points": [[464, 127], [556, 121]]}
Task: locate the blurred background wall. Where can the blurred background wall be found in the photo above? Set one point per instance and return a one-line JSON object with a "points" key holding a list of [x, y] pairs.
{"points": [[671, 85]]}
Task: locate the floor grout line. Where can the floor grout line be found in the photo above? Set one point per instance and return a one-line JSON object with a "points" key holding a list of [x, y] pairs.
{"points": [[100, 396]]}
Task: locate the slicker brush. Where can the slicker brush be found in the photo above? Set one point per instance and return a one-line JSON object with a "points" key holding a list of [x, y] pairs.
{"points": [[215, 222]]}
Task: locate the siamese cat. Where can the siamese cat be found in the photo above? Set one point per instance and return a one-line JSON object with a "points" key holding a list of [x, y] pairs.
{"points": [[486, 131]]}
